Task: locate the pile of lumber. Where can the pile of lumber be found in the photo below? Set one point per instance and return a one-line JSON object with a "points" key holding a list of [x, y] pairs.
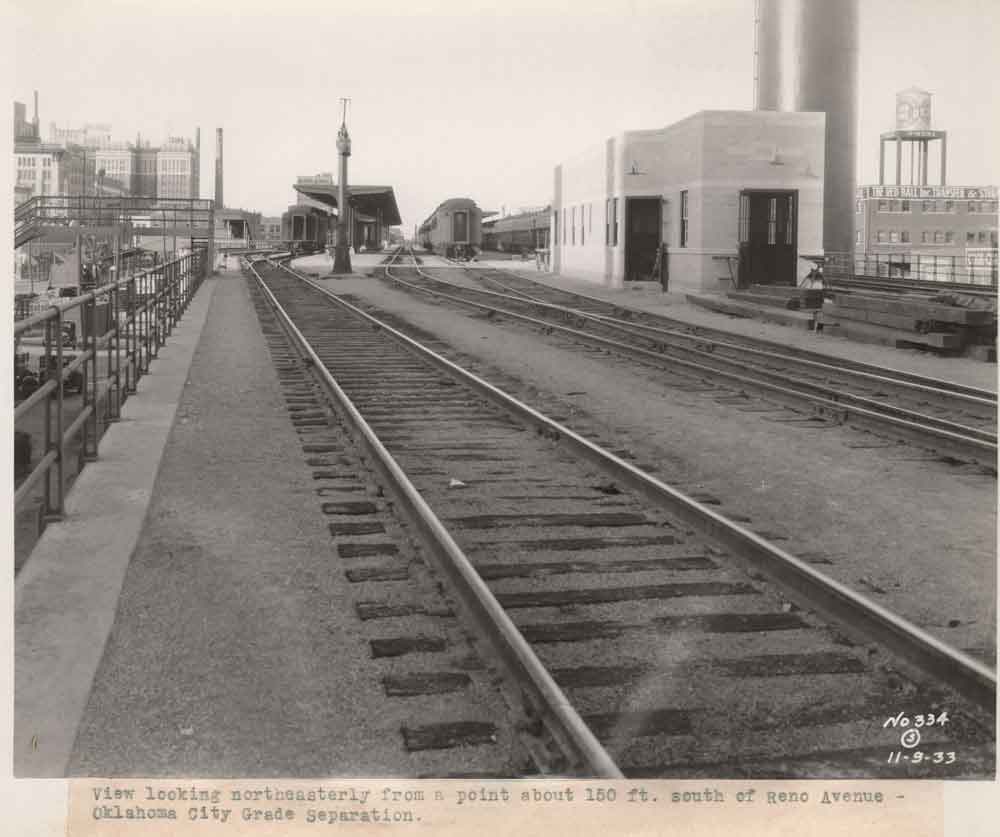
{"points": [[779, 296], [909, 320]]}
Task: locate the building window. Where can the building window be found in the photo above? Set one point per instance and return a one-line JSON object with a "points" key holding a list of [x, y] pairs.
{"points": [[743, 233], [924, 237], [614, 221], [928, 206], [938, 237], [949, 206], [555, 225], [883, 206], [880, 236], [904, 236], [894, 237], [970, 237], [904, 206], [572, 232], [684, 218], [993, 238], [772, 221], [973, 206], [982, 236], [857, 237], [949, 237], [583, 211]]}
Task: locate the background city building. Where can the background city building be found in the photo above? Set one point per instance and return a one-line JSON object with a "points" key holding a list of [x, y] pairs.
{"points": [[909, 227], [88, 160]]}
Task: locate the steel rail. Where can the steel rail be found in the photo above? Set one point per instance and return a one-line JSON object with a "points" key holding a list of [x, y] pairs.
{"points": [[855, 613], [804, 357], [833, 395], [546, 699], [968, 440], [981, 398], [793, 354], [896, 286]]}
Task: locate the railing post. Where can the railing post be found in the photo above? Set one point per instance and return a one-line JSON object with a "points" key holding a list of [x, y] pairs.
{"points": [[84, 376], [147, 321], [159, 308], [114, 309], [91, 454], [130, 339], [46, 366]]}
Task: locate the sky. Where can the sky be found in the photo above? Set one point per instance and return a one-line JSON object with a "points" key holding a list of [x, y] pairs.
{"points": [[478, 99]]}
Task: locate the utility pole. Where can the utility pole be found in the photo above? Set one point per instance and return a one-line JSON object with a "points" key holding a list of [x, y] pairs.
{"points": [[342, 251]]}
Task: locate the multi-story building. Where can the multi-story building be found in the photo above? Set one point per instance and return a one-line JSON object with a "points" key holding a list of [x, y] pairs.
{"points": [[39, 168], [114, 164], [176, 166], [270, 229], [322, 179], [23, 129], [91, 135], [87, 161], [144, 170], [911, 228]]}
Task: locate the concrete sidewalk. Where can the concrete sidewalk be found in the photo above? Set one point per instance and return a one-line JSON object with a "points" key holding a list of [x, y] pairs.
{"points": [[67, 592]]}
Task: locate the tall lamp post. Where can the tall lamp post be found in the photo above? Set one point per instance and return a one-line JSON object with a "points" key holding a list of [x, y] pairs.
{"points": [[342, 252]]}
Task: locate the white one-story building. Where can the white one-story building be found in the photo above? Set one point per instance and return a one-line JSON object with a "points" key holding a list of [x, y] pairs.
{"points": [[693, 206]]}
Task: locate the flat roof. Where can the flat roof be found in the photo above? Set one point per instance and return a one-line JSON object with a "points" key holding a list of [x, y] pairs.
{"points": [[367, 200]]}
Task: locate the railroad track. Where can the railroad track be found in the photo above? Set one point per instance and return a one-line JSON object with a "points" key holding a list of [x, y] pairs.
{"points": [[955, 421], [910, 286], [640, 631]]}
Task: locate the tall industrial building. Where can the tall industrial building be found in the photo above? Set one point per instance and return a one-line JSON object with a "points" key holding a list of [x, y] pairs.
{"points": [[219, 197], [806, 59], [908, 227]]}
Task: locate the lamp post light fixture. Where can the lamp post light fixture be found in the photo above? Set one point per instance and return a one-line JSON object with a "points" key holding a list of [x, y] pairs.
{"points": [[342, 252]]}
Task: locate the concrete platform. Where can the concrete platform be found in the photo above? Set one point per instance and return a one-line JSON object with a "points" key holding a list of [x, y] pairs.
{"points": [[189, 617], [67, 593]]}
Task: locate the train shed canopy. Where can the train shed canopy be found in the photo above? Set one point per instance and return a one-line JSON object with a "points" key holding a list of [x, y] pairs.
{"points": [[366, 200]]}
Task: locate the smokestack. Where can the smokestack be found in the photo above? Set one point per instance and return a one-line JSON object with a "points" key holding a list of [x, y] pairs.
{"points": [[218, 169], [807, 60]]}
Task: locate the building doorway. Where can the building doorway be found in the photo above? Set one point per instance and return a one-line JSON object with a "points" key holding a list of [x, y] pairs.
{"points": [[643, 225], [768, 228]]}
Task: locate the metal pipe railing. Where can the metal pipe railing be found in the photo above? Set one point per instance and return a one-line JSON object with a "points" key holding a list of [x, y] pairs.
{"points": [[122, 326], [977, 267]]}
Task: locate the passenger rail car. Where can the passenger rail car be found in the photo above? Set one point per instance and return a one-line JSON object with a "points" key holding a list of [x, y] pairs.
{"points": [[524, 232], [304, 230], [454, 229]]}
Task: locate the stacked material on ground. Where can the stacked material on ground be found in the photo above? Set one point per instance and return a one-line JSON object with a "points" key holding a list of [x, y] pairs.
{"points": [[779, 296], [936, 322]]}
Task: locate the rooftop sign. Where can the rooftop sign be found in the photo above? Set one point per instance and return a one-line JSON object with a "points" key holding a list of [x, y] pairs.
{"points": [[952, 192]]}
